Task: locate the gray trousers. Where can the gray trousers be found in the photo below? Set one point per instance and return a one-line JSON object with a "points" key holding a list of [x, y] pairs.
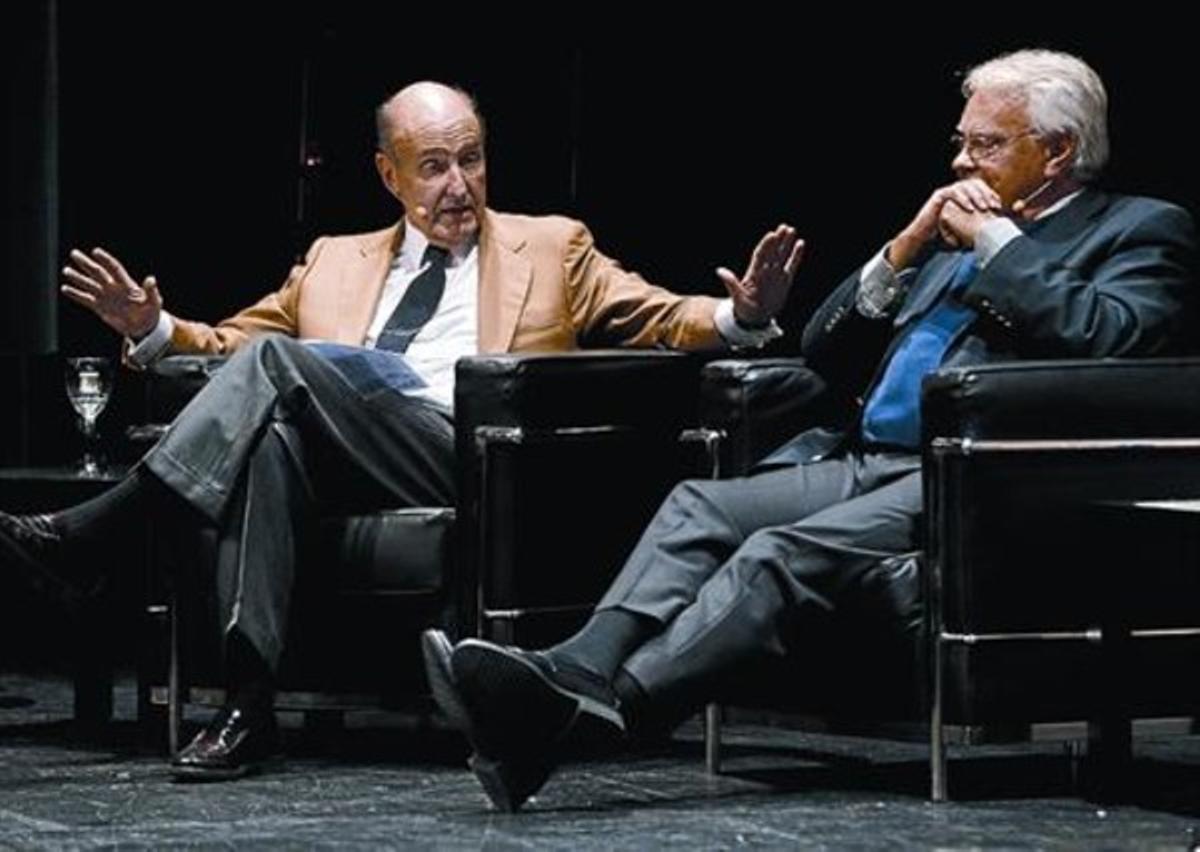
{"points": [[277, 437], [735, 570]]}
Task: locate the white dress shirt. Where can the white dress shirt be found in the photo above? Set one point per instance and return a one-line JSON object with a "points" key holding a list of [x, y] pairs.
{"points": [[452, 331]]}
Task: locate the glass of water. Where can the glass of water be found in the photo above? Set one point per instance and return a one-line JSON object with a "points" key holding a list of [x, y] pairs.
{"points": [[89, 385]]}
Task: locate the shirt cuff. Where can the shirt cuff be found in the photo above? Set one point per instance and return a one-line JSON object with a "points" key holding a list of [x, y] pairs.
{"points": [[146, 351], [992, 237], [879, 287], [737, 335]]}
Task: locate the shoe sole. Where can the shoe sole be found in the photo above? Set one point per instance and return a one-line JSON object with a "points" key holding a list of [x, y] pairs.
{"points": [[511, 704], [201, 775], [204, 774], [436, 650]]}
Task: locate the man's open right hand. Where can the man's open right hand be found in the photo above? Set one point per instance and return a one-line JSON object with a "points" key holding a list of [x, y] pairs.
{"points": [[100, 283]]}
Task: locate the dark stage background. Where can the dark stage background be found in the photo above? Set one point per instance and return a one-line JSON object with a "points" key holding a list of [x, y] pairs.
{"points": [[172, 135]]}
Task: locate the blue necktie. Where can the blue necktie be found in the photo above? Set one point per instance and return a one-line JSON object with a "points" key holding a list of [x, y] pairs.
{"points": [[892, 415], [418, 304]]}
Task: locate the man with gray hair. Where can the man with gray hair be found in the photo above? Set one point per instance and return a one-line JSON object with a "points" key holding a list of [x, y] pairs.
{"points": [[1017, 258]]}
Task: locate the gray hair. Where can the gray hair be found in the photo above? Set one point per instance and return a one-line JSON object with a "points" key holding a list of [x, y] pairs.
{"points": [[1062, 94]]}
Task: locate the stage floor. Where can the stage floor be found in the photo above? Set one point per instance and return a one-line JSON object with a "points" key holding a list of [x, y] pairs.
{"points": [[379, 783]]}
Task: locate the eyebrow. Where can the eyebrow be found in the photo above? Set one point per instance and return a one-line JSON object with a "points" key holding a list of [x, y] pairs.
{"points": [[443, 150]]}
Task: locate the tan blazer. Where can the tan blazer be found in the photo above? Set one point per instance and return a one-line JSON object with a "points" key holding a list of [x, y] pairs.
{"points": [[542, 286]]}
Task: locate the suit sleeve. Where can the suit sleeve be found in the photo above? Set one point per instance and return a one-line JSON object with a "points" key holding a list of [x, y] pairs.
{"points": [[839, 342], [1129, 295], [610, 306], [275, 312]]}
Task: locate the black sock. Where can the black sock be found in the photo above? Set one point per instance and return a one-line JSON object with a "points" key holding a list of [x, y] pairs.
{"points": [[251, 683], [605, 641], [650, 719], [628, 690], [95, 519]]}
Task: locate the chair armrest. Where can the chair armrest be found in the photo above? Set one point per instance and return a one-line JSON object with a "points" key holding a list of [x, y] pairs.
{"points": [[171, 383], [537, 391], [755, 405], [186, 367], [1109, 398]]}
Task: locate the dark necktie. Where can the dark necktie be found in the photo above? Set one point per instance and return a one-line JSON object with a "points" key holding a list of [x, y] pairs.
{"points": [[418, 304]]}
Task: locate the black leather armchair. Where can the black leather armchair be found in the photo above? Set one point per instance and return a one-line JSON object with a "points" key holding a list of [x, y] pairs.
{"points": [[562, 460], [1052, 591]]}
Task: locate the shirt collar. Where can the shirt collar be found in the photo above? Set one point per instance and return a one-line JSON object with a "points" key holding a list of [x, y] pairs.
{"points": [[412, 250], [1058, 205]]}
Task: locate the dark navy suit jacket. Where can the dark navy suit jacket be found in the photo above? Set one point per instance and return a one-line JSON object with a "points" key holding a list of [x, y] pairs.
{"points": [[1107, 276]]}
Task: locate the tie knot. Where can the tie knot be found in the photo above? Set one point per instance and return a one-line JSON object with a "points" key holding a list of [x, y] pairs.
{"points": [[435, 256]]}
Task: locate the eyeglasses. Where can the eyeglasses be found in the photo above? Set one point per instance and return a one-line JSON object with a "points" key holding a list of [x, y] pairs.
{"points": [[981, 146]]}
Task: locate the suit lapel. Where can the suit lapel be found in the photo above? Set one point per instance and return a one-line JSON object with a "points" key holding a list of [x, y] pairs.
{"points": [[504, 280], [505, 276], [362, 283], [1067, 223]]}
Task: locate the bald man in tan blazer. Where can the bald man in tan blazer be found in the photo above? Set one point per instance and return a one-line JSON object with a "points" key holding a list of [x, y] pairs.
{"points": [[239, 455], [543, 286]]}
